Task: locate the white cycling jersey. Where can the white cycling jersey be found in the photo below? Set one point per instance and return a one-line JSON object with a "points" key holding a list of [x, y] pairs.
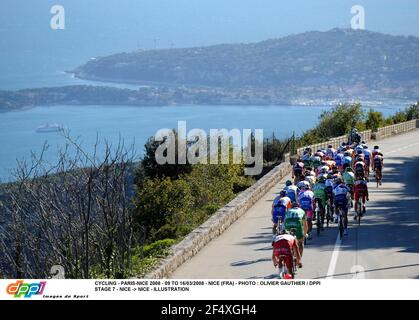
{"points": [[302, 184], [340, 190]]}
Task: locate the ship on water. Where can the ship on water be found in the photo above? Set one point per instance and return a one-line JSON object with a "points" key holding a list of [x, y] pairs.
{"points": [[50, 127]]}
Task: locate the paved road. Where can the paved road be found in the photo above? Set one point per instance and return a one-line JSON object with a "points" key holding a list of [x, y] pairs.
{"points": [[386, 245]]}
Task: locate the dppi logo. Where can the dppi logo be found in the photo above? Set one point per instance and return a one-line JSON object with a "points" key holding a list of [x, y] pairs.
{"points": [[27, 290]]}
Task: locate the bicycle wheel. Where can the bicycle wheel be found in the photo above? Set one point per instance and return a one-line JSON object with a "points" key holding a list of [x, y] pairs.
{"points": [[328, 212], [318, 221], [341, 227], [359, 212]]}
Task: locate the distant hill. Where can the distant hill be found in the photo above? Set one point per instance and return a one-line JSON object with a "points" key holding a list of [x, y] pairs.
{"points": [[355, 61]]}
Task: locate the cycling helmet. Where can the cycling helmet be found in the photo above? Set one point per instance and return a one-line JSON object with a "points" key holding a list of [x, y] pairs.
{"points": [[347, 154], [283, 193], [376, 147], [330, 146], [348, 169], [365, 147], [288, 183], [324, 170], [330, 176], [322, 179], [359, 151], [339, 180]]}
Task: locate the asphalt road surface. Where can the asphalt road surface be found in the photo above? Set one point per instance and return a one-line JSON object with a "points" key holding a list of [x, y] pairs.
{"points": [[386, 245]]}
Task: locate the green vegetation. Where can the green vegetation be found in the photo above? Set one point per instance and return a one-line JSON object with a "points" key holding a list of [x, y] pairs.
{"points": [[342, 118]]}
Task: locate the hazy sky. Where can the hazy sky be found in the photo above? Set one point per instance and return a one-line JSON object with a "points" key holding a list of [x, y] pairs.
{"points": [[131, 23]]}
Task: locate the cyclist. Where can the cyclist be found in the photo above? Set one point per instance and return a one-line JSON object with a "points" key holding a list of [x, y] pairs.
{"points": [[339, 160], [280, 205], [310, 178], [349, 179], [347, 160], [316, 161], [306, 201], [302, 184], [355, 137], [296, 218], [297, 171], [360, 155], [329, 163], [341, 194], [329, 183], [378, 163], [330, 152], [375, 151], [292, 191], [306, 157], [320, 197], [323, 171], [359, 169], [286, 245], [361, 193], [367, 155]]}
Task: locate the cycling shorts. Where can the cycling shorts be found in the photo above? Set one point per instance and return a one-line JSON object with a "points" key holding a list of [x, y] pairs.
{"points": [[319, 201], [360, 195], [329, 191], [287, 259], [309, 213], [341, 204]]}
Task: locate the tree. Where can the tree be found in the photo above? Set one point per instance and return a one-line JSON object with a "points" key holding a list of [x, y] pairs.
{"points": [[374, 120], [412, 112], [149, 167], [162, 207]]}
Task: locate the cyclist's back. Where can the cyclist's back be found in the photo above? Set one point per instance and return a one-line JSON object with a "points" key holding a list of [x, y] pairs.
{"points": [[294, 219]]}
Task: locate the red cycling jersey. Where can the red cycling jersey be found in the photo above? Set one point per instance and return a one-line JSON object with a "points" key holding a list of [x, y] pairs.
{"points": [[283, 246], [360, 190]]}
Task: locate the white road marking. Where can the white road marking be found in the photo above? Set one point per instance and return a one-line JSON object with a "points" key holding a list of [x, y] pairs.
{"points": [[335, 255], [334, 259]]}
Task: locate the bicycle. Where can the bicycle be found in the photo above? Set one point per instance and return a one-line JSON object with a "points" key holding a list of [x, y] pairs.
{"points": [[339, 215], [319, 219], [358, 211], [282, 267], [378, 176], [328, 210]]}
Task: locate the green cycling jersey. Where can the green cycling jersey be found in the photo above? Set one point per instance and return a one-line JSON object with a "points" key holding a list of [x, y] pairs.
{"points": [[349, 178], [294, 219], [319, 190]]}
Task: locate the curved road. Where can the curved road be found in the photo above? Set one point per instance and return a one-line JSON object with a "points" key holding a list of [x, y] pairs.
{"points": [[386, 245]]}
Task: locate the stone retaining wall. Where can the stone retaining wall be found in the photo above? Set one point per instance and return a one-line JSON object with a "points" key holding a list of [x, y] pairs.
{"points": [[219, 221]]}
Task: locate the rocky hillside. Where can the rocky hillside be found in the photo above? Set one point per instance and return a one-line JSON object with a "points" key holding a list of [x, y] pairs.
{"points": [[358, 60]]}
